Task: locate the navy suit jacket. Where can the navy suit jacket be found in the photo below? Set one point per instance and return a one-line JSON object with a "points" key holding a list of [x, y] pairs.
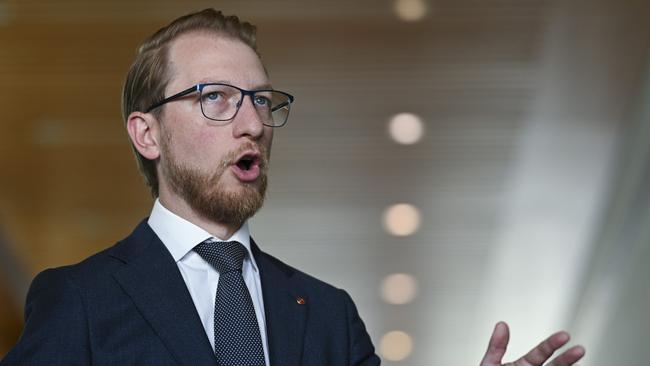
{"points": [[129, 305]]}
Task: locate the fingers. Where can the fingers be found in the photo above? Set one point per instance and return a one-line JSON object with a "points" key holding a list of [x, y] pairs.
{"points": [[497, 345], [544, 350], [569, 357], [538, 355]]}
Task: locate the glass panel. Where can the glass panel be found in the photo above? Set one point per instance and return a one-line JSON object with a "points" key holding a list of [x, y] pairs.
{"points": [[280, 107], [219, 102]]}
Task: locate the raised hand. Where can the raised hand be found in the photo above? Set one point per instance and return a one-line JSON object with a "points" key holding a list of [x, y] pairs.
{"points": [[537, 356]]}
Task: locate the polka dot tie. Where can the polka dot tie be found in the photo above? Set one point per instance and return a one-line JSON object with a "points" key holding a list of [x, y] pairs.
{"points": [[237, 340]]}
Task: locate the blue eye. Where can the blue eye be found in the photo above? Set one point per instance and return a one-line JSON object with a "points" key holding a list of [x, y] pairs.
{"points": [[212, 96], [262, 101]]}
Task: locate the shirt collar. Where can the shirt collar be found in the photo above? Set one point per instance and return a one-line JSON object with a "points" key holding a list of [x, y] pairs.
{"points": [[181, 236]]}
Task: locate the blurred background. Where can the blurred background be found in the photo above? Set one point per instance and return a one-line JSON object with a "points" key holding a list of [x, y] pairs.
{"points": [[450, 163]]}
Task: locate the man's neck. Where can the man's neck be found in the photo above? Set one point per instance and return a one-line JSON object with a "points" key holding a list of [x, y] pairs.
{"points": [[179, 207]]}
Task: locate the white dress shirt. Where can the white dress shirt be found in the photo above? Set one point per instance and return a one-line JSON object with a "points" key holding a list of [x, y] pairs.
{"points": [[180, 237]]}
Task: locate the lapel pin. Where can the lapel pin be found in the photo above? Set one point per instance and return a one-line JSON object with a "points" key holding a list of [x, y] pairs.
{"points": [[300, 301]]}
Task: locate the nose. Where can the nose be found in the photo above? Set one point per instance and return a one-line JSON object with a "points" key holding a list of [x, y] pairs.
{"points": [[247, 121]]}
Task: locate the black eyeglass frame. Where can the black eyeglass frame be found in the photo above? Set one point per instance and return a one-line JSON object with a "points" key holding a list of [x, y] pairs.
{"points": [[199, 88]]}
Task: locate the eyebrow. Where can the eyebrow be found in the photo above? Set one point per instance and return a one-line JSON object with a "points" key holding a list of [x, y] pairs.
{"points": [[258, 87]]}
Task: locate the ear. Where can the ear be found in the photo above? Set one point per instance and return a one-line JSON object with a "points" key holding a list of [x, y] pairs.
{"points": [[143, 129]]}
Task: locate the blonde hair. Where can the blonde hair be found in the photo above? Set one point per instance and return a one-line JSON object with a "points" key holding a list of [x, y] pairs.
{"points": [[148, 76]]}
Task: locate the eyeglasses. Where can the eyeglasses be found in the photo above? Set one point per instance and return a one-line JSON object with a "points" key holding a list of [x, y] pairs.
{"points": [[221, 102]]}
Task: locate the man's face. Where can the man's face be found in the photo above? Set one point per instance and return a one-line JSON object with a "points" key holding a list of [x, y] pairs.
{"points": [[219, 169]]}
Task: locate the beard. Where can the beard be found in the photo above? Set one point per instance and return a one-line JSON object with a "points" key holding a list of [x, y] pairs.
{"points": [[205, 191]]}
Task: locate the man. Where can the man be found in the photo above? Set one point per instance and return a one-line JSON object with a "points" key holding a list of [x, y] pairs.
{"points": [[189, 286]]}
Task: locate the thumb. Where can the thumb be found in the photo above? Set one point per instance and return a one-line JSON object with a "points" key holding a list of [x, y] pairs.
{"points": [[497, 346]]}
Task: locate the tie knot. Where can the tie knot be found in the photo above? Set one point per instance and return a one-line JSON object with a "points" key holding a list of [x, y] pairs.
{"points": [[224, 256]]}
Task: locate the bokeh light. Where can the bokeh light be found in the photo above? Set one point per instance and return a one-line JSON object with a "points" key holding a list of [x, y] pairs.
{"points": [[396, 345], [411, 10], [406, 128], [401, 219], [399, 288]]}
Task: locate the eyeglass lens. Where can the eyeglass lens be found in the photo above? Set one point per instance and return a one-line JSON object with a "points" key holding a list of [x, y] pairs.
{"points": [[221, 103]]}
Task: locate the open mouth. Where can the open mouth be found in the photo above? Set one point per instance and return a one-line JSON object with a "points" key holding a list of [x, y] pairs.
{"points": [[247, 168], [246, 162]]}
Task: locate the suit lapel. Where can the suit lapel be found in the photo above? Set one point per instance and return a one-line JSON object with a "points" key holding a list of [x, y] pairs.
{"points": [[285, 315], [152, 279]]}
